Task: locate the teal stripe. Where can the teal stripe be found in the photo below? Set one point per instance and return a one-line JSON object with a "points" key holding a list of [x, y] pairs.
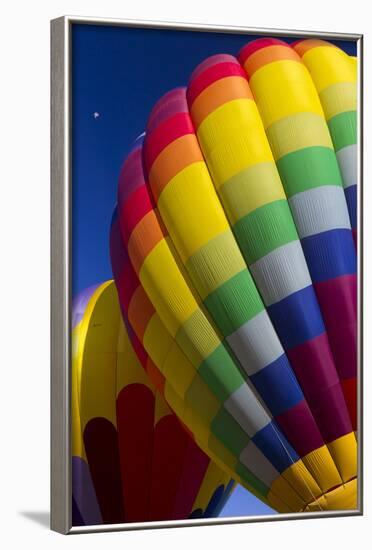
{"points": [[308, 168], [251, 479], [228, 431], [264, 230], [343, 129], [234, 302], [217, 373]]}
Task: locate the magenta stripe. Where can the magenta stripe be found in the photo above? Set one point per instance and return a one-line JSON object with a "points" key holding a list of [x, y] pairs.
{"points": [[338, 301], [299, 427], [313, 365]]}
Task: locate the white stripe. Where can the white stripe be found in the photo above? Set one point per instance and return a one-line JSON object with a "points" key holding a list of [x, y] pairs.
{"points": [[281, 272], [320, 209], [245, 408], [256, 344], [258, 464], [348, 162]]}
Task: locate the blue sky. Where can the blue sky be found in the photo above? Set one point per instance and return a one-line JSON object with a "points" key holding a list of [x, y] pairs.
{"points": [[119, 73]]}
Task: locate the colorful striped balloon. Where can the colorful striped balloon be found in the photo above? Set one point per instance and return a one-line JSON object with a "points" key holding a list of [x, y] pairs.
{"points": [[132, 460], [335, 77], [233, 257]]}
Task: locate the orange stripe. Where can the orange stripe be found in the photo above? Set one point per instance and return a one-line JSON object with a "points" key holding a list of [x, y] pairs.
{"points": [[174, 158], [145, 236], [305, 45], [217, 94], [140, 311], [267, 55], [155, 375]]}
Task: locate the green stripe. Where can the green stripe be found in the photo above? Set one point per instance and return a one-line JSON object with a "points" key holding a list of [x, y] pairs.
{"points": [[251, 479], [343, 129], [264, 230], [234, 303], [222, 378], [228, 431], [308, 168]]}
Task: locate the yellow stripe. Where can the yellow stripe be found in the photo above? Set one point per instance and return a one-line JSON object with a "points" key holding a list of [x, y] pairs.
{"points": [[226, 121], [215, 263], [170, 295], [233, 138], [202, 401], [178, 371], [329, 65], [281, 487], [297, 132], [157, 341], [341, 498], [191, 196], [282, 89], [198, 338], [339, 98], [344, 453], [321, 466], [301, 480], [275, 502], [76, 433], [99, 355], [256, 186], [215, 446], [129, 370]]}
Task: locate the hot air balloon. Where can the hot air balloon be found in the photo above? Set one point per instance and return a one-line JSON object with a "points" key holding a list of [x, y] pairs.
{"points": [[132, 459], [238, 275]]}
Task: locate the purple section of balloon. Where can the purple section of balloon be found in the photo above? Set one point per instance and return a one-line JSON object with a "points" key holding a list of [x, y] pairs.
{"points": [[80, 303], [83, 492]]}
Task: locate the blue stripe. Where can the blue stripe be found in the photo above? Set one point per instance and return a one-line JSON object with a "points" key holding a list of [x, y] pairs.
{"points": [[275, 447], [297, 318], [351, 199], [278, 386], [330, 254]]}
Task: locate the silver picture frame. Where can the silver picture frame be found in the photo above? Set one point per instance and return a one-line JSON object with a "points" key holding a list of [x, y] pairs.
{"points": [[61, 185]]}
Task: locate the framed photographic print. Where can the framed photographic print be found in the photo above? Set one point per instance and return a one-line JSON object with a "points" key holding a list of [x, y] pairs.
{"points": [[206, 274]]}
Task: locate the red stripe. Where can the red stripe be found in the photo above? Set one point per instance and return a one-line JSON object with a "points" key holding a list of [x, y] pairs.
{"points": [[102, 450], [168, 131], [195, 466], [135, 420], [131, 175], [170, 444], [210, 75], [256, 45], [131, 211]]}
